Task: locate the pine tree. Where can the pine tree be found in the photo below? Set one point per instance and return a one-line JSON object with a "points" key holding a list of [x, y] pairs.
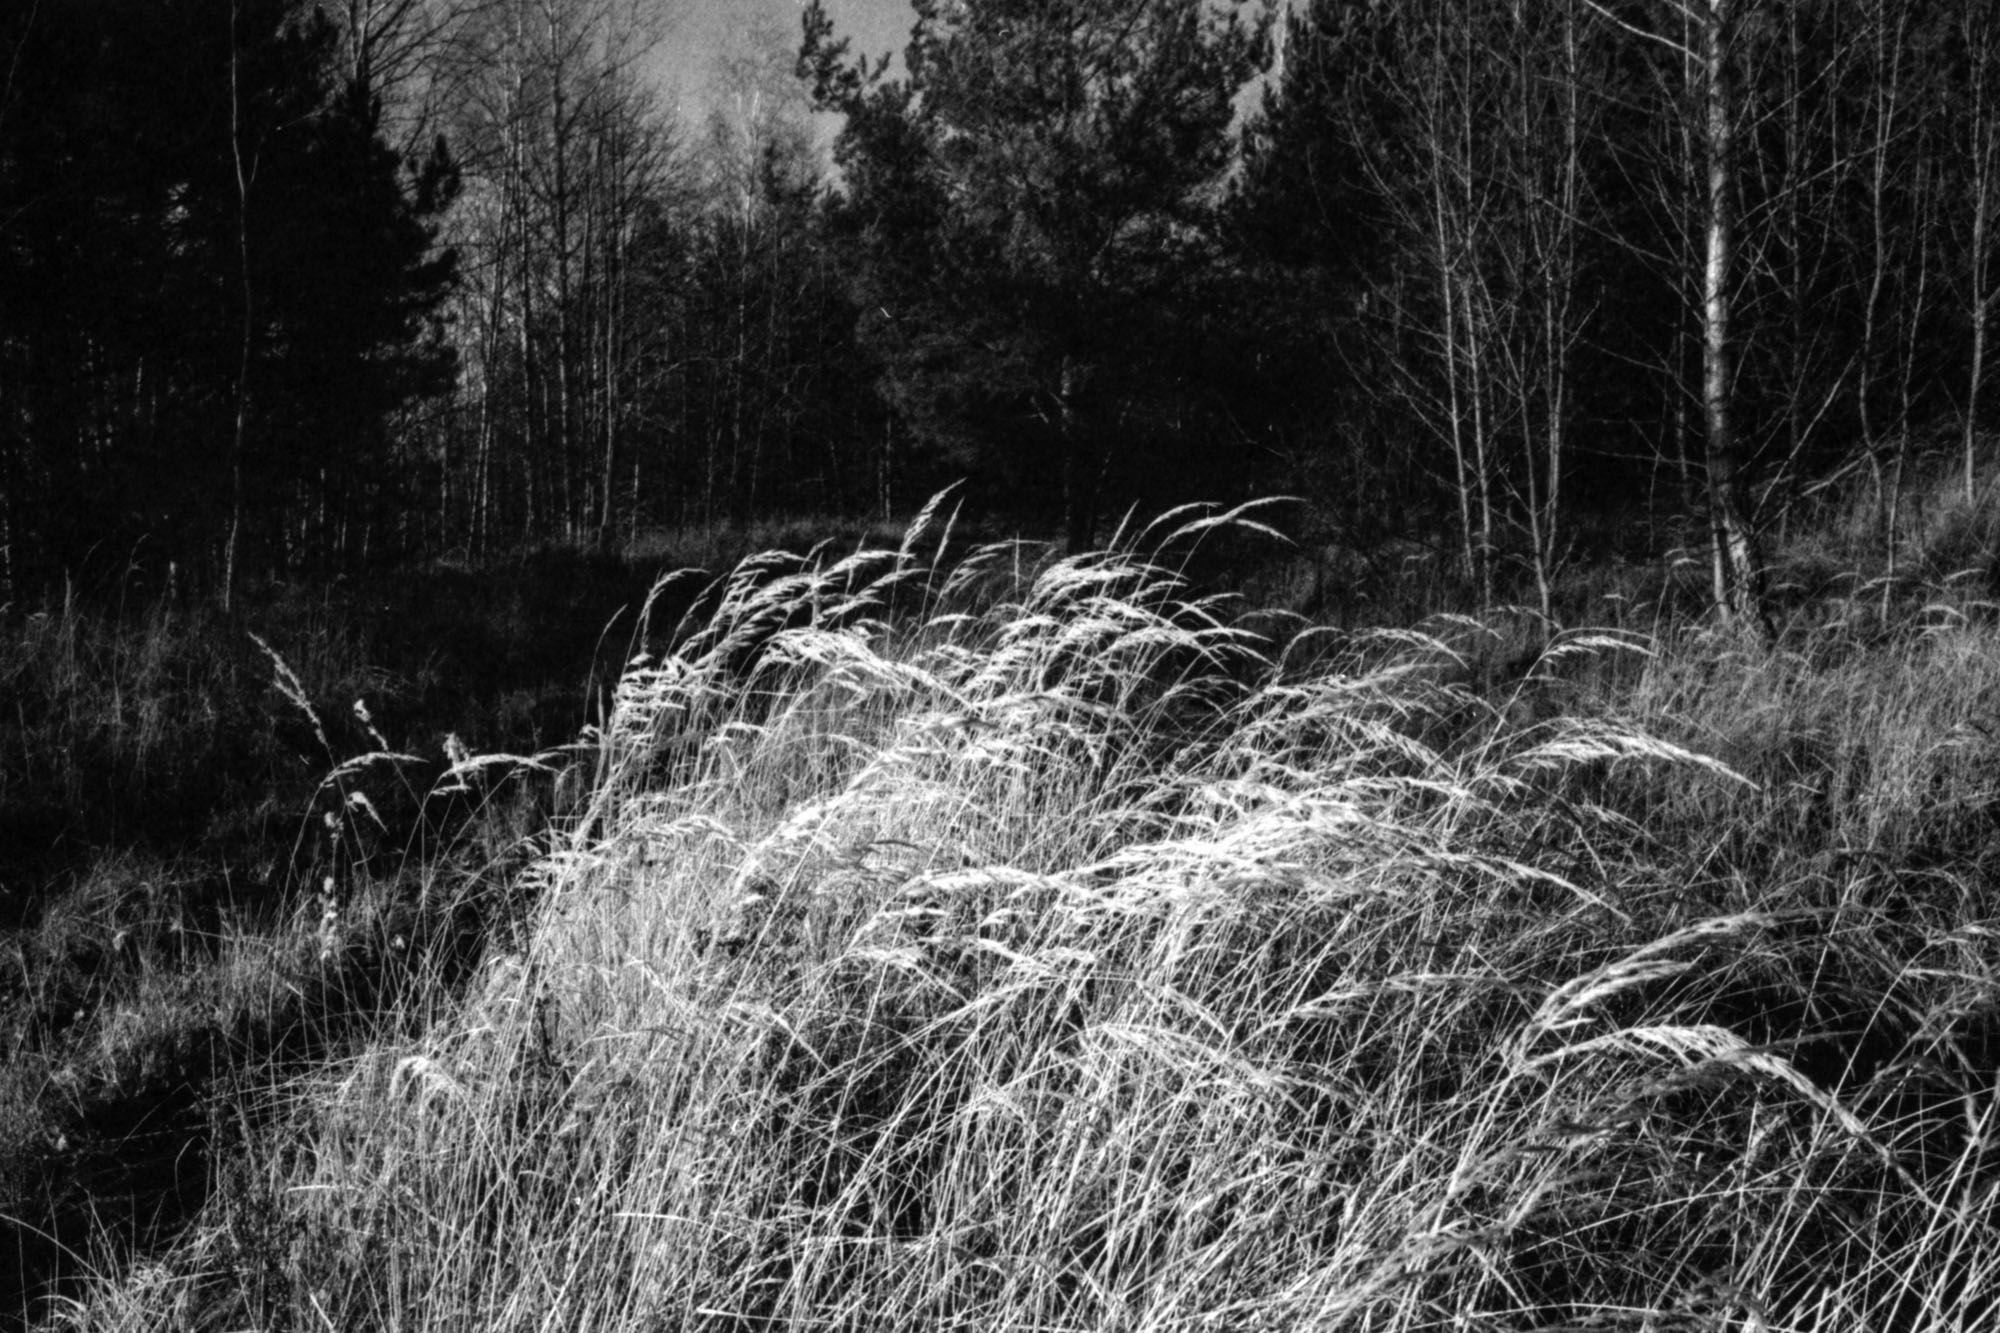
{"points": [[1040, 173], [217, 286]]}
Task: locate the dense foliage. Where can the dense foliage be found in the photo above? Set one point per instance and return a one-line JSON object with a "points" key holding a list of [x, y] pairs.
{"points": [[217, 286], [1523, 283], [1025, 208], [1651, 260]]}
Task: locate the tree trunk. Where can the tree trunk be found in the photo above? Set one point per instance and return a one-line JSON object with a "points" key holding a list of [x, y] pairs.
{"points": [[1455, 410], [1985, 139], [237, 437], [1079, 477], [1738, 563]]}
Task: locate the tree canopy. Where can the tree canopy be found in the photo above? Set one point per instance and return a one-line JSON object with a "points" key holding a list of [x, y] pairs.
{"points": [[216, 283], [1036, 177]]}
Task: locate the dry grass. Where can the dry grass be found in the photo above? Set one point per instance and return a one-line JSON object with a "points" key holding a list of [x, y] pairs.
{"points": [[154, 939], [1011, 943]]}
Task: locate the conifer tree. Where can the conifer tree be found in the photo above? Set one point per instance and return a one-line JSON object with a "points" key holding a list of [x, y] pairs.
{"points": [[217, 286], [1038, 173]]}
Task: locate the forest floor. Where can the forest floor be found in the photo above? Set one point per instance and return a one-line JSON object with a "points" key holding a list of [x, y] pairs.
{"points": [[953, 935]]}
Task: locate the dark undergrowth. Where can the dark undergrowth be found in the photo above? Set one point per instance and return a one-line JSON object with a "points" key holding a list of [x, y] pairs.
{"points": [[188, 903]]}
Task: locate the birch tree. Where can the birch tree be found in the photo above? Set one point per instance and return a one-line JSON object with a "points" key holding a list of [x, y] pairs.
{"points": [[565, 153], [1975, 142]]}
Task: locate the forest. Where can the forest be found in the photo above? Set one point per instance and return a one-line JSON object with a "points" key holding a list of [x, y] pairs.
{"points": [[1151, 664], [321, 291]]}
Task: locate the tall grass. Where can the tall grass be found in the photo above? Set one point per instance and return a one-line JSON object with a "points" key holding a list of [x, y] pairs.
{"points": [[1019, 943], [152, 727], [164, 915]]}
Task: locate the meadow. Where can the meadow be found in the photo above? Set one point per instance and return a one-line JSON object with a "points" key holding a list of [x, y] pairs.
{"points": [[928, 932]]}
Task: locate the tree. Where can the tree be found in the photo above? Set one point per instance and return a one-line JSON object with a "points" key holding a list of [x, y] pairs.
{"points": [[1977, 85], [567, 156], [1437, 155], [1780, 216], [1040, 171], [1317, 241], [216, 284], [1737, 557]]}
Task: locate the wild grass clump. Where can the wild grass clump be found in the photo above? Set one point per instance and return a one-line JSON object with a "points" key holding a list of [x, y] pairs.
{"points": [[1013, 943], [186, 891], [1874, 765], [153, 728]]}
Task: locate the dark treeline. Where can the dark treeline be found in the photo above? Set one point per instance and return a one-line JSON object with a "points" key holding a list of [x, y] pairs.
{"points": [[284, 290], [216, 286], [1715, 253]]}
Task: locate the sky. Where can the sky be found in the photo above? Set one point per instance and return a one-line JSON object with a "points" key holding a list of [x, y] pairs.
{"points": [[702, 33]]}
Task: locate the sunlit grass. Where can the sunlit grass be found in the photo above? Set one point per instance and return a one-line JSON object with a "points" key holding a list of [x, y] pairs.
{"points": [[1007, 942]]}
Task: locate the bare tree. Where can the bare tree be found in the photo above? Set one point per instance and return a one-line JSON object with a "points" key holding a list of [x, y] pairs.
{"points": [[1700, 108], [1480, 161], [1738, 561], [566, 150], [1554, 114], [1978, 141]]}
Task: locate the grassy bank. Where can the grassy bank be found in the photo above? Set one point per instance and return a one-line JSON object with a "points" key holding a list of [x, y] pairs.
{"points": [[232, 845], [1012, 942], [187, 895]]}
